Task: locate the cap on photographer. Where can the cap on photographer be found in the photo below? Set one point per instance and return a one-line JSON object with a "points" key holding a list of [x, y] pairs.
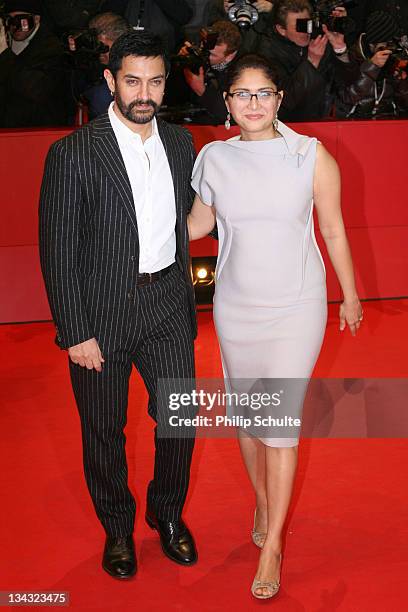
{"points": [[380, 85], [308, 67], [33, 89], [208, 85]]}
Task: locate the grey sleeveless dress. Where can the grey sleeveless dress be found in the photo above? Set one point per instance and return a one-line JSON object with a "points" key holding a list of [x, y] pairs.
{"points": [[270, 305]]}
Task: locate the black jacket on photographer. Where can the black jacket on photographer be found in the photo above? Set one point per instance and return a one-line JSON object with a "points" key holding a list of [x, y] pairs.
{"points": [[163, 17], [374, 92], [212, 99], [309, 91], [33, 87], [67, 15]]}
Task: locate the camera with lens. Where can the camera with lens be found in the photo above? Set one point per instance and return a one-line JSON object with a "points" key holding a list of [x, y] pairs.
{"points": [[83, 48], [398, 60], [82, 51], [197, 55], [18, 23], [243, 14], [323, 16]]}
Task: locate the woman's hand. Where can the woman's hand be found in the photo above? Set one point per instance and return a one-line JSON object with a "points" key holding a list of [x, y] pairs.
{"points": [[351, 313]]}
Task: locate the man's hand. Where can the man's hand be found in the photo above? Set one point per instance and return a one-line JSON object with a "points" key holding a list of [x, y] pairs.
{"points": [[87, 354], [316, 50], [335, 39], [196, 82], [3, 37], [227, 5], [380, 58], [263, 6], [184, 49]]}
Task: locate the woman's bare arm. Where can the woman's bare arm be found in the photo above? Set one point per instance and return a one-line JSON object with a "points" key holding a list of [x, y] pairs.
{"points": [[327, 199], [201, 219]]}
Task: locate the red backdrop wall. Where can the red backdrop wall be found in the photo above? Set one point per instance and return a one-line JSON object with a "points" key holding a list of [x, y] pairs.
{"points": [[373, 161]]}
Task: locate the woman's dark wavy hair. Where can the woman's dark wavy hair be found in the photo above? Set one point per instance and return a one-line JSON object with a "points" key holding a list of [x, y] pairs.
{"points": [[136, 44], [257, 62]]}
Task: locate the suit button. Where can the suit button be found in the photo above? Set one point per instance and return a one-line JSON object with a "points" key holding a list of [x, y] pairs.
{"points": [[132, 258], [130, 295]]}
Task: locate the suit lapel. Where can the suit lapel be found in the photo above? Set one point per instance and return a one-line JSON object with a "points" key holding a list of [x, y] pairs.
{"points": [[110, 158], [171, 152]]}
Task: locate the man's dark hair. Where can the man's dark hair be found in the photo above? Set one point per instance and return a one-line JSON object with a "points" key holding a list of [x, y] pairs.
{"points": [[136, 44], [281, 8], [110, 25], [257, 62], [229, 34]]}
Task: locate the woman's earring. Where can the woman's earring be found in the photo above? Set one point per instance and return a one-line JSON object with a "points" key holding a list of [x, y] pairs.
{"points": [[275, 123], [228, 122], [112, 93]]}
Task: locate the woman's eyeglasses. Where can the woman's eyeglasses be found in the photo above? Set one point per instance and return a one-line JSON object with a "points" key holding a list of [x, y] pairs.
{"points": [[261, 96]]}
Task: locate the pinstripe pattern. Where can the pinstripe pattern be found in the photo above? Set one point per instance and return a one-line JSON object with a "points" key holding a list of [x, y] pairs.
{"points": [[89, 253]]}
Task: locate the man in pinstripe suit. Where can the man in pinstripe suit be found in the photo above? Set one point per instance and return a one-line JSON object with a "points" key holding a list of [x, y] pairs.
{"points": [[115, 259]]}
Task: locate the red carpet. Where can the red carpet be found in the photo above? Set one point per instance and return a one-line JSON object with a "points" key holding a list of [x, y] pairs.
{"points": [[347, 541]]}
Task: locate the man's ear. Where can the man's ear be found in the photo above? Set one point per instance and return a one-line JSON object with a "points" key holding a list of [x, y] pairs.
{"points": [[109, 79], [281, 30], [230, 56]]}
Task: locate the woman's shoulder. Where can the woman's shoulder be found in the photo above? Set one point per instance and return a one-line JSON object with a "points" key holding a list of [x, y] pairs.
{"points": [[211, 150]]}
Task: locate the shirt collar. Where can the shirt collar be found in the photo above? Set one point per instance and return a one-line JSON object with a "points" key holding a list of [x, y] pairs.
{"points": [[297, 145], [124, 133]]}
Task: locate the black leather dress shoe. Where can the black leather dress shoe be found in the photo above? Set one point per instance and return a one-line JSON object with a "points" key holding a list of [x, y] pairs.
{"points": [[176, 540], [119, 558]]}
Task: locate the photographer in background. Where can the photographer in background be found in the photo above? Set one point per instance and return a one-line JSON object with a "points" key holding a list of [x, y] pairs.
{"points": [[308, 67], [87, 79], [208, 85], [380, 86], [33, 89], [218, 10], [63, 16], [165, 18]]}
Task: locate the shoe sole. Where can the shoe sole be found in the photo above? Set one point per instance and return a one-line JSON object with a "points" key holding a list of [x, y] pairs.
{"points": [[128, 577], [153, 526]]}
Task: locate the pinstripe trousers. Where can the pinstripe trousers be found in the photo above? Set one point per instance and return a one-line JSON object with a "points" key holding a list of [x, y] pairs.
{"points": [[160, 345]]}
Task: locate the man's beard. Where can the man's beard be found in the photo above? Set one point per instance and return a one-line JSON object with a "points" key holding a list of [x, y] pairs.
{"points": [[137, 116]]}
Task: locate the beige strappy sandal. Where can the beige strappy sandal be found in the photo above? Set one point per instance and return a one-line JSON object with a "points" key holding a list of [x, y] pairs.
{"points": [[258, 537], [272, 587]]}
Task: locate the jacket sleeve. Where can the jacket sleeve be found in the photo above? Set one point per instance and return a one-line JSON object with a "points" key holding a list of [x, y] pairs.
{"points": [[60, 215], [305, 81], [213, 101], [362, 87], [7, 64], [401, 93], [192, 158]]}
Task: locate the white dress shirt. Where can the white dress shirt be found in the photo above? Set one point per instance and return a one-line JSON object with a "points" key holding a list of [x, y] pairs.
{"points": [[150, 177]]}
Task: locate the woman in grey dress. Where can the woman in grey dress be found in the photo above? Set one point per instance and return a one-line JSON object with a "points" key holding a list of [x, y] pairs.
{"points": [[270, 306]]}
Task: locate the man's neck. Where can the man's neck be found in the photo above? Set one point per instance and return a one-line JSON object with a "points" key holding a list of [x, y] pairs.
{"points": [[145, 130]]}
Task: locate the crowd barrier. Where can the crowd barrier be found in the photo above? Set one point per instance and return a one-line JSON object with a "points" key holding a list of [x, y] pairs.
{"points": [[372, 156]]}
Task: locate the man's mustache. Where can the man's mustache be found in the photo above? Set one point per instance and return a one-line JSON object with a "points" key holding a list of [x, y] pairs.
{"points": [[149, 102]]}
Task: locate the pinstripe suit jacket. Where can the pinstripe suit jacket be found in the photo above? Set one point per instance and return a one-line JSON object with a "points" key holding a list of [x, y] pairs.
{"points": [[89, 248]]}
